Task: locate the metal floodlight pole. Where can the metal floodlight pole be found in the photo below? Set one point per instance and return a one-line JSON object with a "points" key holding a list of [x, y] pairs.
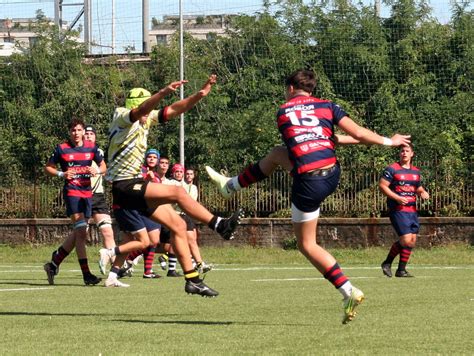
{"points": [[181, 77], [113, 26], [58, 16], [145, 32], [87, 25], [377, 8]]}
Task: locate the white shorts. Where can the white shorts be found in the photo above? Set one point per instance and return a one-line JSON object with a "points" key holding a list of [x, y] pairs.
{"points": [[299, 216]]}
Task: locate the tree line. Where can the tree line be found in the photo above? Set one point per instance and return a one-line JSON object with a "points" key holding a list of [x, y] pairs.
{"points": [[406, 73]]}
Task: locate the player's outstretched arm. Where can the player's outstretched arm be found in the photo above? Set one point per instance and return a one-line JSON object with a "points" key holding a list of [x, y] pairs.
{"points": [[369, 137], [150, 104], [345, 140], [188, 103]]}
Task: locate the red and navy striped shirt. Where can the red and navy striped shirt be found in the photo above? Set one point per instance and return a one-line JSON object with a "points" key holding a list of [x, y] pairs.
{"points": [[77, 158], [306, 125], [403, 182]]}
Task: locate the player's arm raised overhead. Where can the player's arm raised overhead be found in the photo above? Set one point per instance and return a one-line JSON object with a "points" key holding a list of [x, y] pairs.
{"points": [[150, 104], [188, 103]]}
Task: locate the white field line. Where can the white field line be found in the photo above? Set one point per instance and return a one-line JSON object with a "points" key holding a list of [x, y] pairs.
{"points": [[19, 268], [300, 279], [24, 289], [262, 268]]}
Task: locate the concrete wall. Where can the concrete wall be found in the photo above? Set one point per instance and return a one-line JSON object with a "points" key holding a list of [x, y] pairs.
{"points": [[332, 232]]}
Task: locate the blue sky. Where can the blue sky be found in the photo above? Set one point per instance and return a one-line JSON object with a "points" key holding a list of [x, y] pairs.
{"points": [[128, 15]]}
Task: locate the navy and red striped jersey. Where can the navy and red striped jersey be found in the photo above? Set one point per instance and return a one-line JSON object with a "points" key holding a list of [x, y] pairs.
{"points": [[403, 182], [77, 158], [306, 125]]}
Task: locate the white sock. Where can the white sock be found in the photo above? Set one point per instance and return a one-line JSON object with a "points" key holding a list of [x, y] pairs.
{"points": [[112, 275], [346, 289], [233, 184]]}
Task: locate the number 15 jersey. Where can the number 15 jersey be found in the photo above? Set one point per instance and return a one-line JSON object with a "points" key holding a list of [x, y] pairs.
{"points": [[306, 125]]}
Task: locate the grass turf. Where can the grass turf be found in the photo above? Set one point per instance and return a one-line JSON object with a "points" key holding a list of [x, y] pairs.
{"points": [[271, 302]]}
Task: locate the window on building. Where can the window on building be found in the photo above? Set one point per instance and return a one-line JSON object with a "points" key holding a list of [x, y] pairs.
{"points": [[161, 39]]}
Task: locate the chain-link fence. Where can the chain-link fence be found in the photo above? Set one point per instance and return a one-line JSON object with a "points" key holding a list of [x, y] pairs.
{"points": [[358, 195]]}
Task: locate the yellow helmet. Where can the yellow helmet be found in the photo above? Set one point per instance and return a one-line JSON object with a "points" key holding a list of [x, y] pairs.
{"points": [[135, 97]]}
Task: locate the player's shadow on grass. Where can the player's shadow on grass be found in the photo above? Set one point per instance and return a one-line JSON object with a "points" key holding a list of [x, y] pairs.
{"points": [[38, 284], [24, 313], [182, 322]]}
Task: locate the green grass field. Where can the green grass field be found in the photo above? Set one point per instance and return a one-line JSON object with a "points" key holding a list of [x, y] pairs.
{"points": [[271, 302]]}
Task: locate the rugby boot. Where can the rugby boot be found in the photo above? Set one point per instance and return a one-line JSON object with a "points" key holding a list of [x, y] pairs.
{"points": [[200, 288], [203, 267], [51, 271], [403, 274], [151, 276], [163, 259], [221, 182], [226, 227], [387, 269], [91, 280], [350, 304], [115, 283]]}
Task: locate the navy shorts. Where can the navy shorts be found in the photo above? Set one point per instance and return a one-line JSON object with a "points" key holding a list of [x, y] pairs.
{"points": [[405, 222], [308, 192], [77, 205], [151, 225], [133, 221]]}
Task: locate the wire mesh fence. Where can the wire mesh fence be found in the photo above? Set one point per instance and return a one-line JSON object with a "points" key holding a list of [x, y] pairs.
{"points": [[451, 194]]}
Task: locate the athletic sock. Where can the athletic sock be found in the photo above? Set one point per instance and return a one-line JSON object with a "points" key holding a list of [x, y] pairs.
{"points": [[250, 175], [84, 266], [214, 222], [335, 275], [233, 184], [192, 276], [394, 251], [113, 274], [346, 289], [58, 256], [172, 260], [148, 257], [404, 257]]}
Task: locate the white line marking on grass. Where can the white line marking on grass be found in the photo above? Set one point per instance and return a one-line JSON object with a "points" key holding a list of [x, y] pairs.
{"points": [[24, 289], [300, 279], [263, 268]]}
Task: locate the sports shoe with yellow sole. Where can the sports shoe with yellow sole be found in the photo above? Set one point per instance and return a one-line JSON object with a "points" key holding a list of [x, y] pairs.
{"points": [[351, 303], [221, 182]]}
